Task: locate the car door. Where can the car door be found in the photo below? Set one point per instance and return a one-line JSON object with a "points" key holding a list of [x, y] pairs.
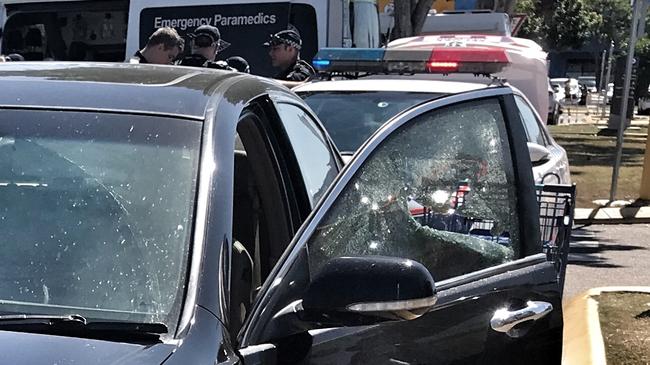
{"points": [[555, 168], [497, 293]]}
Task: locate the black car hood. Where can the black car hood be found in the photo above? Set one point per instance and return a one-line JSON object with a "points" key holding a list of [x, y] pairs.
{"points": [[29, 348]]}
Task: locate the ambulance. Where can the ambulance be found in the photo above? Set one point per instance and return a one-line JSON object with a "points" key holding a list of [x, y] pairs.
{"points": [[113, 30], [527, 67]]}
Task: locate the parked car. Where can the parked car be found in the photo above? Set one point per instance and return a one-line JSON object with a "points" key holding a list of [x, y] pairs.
{"points": [[643, 103], [589, 82], [610, 92], [574, 89], [161, 214], [554, 107], [559, 92]]}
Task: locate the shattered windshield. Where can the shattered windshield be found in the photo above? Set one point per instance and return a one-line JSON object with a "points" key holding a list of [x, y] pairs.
{"points": [[95, 213], [351, 117], [439, 191]]}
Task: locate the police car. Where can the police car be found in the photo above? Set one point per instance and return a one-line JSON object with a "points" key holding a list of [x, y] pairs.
{"points": [[359, 90]]}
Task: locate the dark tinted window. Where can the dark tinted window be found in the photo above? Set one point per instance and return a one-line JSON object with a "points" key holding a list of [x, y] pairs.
{"points": [[314, 155], [351, 117], [71, 31], [531, 123], [96, 213]]}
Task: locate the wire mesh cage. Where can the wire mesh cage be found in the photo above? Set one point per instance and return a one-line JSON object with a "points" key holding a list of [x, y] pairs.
{"points": [[556, 210]]}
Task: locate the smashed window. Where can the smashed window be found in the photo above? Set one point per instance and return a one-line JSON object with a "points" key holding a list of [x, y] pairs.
{"points": [[96, 213], [439, 191]]}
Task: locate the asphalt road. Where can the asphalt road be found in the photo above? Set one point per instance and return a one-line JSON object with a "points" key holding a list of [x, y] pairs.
{"points": [[608, 255]]}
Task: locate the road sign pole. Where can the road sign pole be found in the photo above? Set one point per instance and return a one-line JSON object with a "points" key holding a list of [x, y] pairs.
{"points": [[644, 191], [600, 83], [638, 5], [609, 72]]}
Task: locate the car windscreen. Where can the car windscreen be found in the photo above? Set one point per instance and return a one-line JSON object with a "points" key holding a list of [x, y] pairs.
{"points": [[96, 214], [350, 117]]}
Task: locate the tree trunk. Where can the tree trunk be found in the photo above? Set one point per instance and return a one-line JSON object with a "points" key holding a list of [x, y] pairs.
{"points": [[410, 16], [419, 15], [508, 6], [485, 4], [403, 27], [501, 6]]}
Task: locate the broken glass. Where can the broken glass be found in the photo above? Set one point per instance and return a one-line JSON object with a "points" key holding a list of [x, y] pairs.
{"points": [[439, 191]]}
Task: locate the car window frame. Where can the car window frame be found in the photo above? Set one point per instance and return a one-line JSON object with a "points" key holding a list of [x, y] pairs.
{"points": [[328, 143], [530, 240], [541, 128]]}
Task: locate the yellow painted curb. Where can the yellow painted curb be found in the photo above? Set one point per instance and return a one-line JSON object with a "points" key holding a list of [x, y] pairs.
{"points": [[583, 340]]}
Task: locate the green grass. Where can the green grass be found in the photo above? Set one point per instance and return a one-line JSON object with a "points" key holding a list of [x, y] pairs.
{"points": [[591, 158], [625, 325]]}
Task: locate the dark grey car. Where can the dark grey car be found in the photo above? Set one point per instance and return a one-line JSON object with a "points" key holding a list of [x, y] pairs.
{"points": [[156, 214]]}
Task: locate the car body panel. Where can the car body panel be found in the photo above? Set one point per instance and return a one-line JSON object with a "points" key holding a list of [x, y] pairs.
{"points": [[196, 95], [132, 88], [203, 334], [371, 84], [33, 348], [455, 330]]}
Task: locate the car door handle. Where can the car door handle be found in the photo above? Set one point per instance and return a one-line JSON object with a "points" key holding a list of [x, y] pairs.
{"points": [[505, 320]]}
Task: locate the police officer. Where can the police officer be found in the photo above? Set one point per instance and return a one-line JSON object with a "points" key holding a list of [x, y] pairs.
{"points": [[239, 64], [206, 43], [284, 50], [163, 47]]}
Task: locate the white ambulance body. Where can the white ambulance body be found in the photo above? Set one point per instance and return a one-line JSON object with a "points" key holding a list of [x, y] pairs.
{"points": [[527, 69]]}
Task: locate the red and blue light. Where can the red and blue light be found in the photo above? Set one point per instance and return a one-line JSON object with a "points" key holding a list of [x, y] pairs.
{"points": [[443, 60]]}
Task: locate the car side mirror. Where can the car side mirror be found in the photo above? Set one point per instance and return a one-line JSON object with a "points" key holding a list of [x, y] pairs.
{"points": [[354, 291], [538, 154]]}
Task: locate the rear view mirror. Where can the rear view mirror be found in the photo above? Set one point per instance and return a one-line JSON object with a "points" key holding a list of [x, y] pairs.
{"points": [[353, 291], [538, 154]]}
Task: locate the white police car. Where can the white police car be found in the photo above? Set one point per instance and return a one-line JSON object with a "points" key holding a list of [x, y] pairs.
{"points": [[364, 88]]}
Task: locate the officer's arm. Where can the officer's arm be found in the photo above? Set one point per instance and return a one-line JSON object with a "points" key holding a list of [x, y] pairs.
{"points": [[299, 73]]}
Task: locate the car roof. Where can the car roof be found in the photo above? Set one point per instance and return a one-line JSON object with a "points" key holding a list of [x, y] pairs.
{"points": [[138, 88], [401, 85]]}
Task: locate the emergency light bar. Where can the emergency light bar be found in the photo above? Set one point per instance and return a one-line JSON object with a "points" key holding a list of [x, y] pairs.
{"points": [[441, 60]]}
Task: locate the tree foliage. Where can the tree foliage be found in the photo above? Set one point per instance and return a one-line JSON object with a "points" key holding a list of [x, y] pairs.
{"points": [[533, 27], [642, 53], [571, 24], [613, 19], [557, 24]]}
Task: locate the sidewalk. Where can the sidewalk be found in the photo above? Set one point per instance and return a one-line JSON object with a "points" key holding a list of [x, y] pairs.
{"points": [[591, 114], [612, 215]]}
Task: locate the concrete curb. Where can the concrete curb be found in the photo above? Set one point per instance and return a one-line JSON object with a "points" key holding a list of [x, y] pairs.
{"points": [[582, 339], [617, 215]]}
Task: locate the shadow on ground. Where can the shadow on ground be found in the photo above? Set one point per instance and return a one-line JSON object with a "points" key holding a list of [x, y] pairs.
{"points": [[587, 249]]}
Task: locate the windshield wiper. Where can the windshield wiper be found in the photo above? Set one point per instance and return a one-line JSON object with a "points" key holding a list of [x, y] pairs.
{"points": [[75, 324], [12, 319]]}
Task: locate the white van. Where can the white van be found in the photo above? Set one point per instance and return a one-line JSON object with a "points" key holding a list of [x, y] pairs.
{"points": [[112, 30], [526, 70]]}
